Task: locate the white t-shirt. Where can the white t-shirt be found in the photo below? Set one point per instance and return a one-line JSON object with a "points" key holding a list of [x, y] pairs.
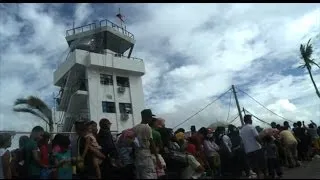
{"points": [[143, 135], [189, 171], [248, 134]]}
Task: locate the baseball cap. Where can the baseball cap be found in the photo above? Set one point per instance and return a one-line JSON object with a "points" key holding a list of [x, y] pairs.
{"points": [[147, 113]]}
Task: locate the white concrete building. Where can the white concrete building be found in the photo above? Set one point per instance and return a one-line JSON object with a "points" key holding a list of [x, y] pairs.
{"points": [[98, 80]]}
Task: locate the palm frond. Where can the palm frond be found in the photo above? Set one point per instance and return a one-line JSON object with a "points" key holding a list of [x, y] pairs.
{"points": [[302, 66], [31, 111], [36, 102], [20, 101], [314, 63]]}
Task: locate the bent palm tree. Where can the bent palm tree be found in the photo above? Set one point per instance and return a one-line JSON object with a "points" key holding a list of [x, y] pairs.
{"points": [[306, 53], [37, 107]]}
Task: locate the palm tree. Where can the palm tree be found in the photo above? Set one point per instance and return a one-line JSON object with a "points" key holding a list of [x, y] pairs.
{"points": [[36, 107], [306, 53]]}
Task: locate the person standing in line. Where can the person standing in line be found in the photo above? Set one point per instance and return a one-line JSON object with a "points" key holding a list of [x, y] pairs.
{"points": [[44, 155], [211, 150], [74, 146], [63, 157], [32, 153], [85, 168], [93, 146], [302, 138], [252, 146], [5, 156], [312, 130], [18, 162], [161, 174], [290, 144], [272, 157], [239, 158], [144, 144], [126, 153], [109, 149], [226, 154], [155, 134]]}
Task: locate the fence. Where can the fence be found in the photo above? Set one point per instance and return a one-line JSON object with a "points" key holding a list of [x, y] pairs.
{"points": [[102, 23]]}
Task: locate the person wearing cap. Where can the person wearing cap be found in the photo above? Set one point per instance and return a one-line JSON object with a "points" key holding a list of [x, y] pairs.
{"points": [[145, 168], [109, 149]]}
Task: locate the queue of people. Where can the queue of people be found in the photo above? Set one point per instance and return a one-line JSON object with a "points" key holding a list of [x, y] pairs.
{"points": [[149, 150]]}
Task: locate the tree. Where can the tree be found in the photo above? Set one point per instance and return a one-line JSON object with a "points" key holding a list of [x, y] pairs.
{"points": [[306, 53], [37, 107]]}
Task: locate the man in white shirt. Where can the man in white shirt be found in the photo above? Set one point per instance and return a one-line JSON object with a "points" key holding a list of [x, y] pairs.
{"points": [[253, 149], [145, 168]]}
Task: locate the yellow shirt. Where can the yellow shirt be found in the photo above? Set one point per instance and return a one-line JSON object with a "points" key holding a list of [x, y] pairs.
{"points": [[287, 137]]}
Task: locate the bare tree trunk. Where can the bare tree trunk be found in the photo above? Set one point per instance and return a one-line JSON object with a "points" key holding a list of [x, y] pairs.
{"points": [[314, 83]]}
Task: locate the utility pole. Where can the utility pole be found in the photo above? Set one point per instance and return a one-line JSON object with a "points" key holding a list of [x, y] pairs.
{"points": [[244, 111], [238, 107]]}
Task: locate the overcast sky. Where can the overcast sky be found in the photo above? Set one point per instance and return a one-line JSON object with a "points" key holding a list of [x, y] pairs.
{"points": [[192, 53]]}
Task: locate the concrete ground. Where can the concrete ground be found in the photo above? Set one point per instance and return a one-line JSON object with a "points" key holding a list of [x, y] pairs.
{"points": [[308, 170]]}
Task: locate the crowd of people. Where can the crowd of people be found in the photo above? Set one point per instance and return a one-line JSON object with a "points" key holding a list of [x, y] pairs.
{"points": [[150, 150]]}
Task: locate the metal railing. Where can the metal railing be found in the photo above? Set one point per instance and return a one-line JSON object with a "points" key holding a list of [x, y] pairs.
{"points": [[81, 29], [102, 23], [122, 56], [116, 27]]}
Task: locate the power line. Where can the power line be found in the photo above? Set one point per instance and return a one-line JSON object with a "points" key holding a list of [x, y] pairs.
{"points": [[202, 109], [233, 119], [264, 106], [257, 117]]}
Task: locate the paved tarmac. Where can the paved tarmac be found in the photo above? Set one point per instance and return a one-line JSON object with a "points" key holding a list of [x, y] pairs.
{"points": [[308, 170]]}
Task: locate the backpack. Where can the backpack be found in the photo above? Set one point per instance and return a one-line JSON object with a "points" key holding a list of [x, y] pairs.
{"points": [[176, 160]]}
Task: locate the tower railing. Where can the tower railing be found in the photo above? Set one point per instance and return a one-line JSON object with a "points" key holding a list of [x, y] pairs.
{"points": [[122, 56], [102, 23]]}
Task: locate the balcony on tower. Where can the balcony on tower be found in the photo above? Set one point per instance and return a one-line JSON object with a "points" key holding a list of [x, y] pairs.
{"points": [[96, 37]]}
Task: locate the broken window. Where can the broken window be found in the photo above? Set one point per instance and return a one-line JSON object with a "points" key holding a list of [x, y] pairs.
{"points": [[123, 81], [125, 108], [106, 79]]}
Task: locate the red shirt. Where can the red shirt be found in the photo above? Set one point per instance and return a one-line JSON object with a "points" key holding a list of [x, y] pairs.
{"points": [[191, 148], [44, 155]]}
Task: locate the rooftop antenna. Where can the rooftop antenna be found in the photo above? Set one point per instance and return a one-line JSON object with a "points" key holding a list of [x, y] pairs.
{"points": [[121, 18]]}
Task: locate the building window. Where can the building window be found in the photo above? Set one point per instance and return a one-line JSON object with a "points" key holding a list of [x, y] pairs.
{"points": [[125, 108], [106, 79], [123, 81], [108, 107]]}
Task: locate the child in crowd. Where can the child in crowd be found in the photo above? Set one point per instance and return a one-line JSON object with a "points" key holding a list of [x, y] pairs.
{"points": [[160, 169], [272, 157], [93, 145], [62, 157]]}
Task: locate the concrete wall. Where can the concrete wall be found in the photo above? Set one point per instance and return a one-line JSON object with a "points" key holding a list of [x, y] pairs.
{"points": [[75, 57], [99, 93], [132, 66], [90, 59]]}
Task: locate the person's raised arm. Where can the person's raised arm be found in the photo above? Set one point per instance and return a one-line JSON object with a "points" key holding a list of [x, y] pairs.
{"points": [[6, 165], [315, 125]]}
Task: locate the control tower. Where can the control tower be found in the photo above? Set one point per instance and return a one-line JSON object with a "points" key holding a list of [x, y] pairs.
{"points": [[98, 80]]}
